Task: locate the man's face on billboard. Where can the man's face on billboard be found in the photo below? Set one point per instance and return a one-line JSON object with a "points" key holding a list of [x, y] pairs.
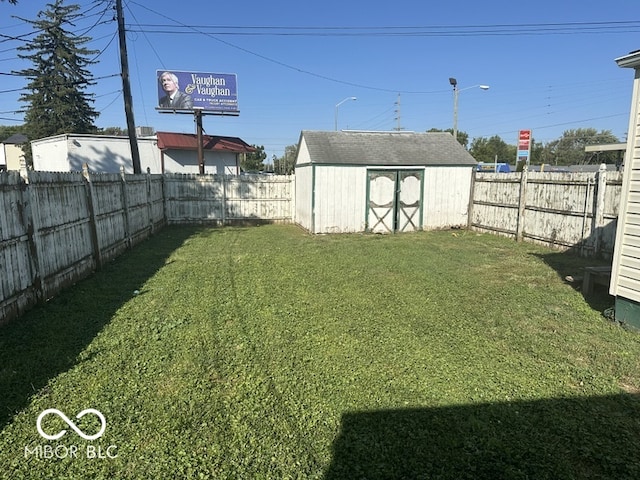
{"points": [[168, 85]]}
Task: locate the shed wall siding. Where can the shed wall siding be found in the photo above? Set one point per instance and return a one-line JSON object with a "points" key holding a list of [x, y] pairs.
{"points": [[340, 197], [303, 157], [626, 266], [446, 196], [303, 193]]}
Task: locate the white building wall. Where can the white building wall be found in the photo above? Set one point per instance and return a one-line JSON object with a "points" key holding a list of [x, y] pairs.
{"points": [[104, 154], [215, 163], [446, 196], [107, 154], [50, 154], [303, 193], [340, 199]]}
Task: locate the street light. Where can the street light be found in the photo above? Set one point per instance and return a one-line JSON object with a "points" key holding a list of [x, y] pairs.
{"points": [[336, 115], [456, 92]]}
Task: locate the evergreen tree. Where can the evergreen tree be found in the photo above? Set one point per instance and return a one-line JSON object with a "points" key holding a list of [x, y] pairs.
{"points": [[254, 162], [56, 99]]}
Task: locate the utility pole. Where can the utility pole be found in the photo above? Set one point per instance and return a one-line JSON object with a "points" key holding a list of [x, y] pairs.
{"points": [[397, 111], [198, 115], [126, 91]]}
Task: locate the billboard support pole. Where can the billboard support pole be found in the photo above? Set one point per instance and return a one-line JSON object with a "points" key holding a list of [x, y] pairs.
{"points": [[198, 115]]}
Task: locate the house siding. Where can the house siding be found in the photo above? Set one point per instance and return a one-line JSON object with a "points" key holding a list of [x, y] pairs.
{"points": [[625, 279]]}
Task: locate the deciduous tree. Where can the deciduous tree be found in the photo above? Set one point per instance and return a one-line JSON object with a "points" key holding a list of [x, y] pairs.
{"points": [[487, 149], [570, 148], [285, 165], [463, 137]]}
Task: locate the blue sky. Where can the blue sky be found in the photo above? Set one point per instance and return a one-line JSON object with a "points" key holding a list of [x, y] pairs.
{"points": [[550, 65]]}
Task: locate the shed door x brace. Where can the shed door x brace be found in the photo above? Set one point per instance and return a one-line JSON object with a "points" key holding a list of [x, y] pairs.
{"points": [[394, 200]]}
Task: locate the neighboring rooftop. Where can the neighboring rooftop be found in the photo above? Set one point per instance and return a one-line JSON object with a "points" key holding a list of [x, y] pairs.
{"points": [[16, 139], [189, 141]]}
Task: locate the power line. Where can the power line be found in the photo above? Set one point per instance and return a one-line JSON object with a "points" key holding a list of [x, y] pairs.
{"points": [[384, 31], [286, 65]]}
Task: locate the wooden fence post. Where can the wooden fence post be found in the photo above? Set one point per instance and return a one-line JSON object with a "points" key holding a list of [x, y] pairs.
{"points": [[165, 200], [125, 207], [149, 204], [471, 193], [30, 218], [93, 228], [224, 198], [522, 200], [292, 197], [598, 216]]}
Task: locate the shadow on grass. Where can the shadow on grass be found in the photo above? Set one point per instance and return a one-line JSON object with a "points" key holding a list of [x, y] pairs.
{"points": [[47, 340], [589, 437], [567, 264]]}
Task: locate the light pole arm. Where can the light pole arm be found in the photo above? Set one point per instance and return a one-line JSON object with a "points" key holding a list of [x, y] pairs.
{"points": [[456, 92], [335, 126]]}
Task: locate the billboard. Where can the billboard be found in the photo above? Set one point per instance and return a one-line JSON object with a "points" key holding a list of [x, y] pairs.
{"points": [[187, 91]]}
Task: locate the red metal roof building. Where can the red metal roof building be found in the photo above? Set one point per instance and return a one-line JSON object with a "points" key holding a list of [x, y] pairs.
{"points": [[221, 154], [188, 141]]}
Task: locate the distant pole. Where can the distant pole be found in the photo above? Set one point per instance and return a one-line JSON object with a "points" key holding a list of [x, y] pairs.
{"points": [[456, 92], [198, 114], [126, 91], [335, 118], [454, 83]]}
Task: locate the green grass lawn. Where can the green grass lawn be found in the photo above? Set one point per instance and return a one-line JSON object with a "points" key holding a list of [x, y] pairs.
{"points": [[266, 353]]}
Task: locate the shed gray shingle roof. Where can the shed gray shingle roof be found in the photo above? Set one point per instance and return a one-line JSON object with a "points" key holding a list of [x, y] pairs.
{"points": [[385, 148]]}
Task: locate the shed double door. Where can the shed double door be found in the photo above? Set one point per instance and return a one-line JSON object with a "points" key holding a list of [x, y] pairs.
{"points": [[394, 200]]}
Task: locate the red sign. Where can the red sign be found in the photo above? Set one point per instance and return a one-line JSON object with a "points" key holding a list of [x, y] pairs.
{"points": [[524, 145], [524, 135]]}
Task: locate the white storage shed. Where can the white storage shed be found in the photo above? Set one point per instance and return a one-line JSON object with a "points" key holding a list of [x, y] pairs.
{"points": [[382, 182], [625, 271]]}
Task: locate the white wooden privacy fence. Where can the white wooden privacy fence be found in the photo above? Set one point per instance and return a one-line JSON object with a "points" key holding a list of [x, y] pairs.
{"points": [[576, 211], [226, 199], [56, 228]]}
